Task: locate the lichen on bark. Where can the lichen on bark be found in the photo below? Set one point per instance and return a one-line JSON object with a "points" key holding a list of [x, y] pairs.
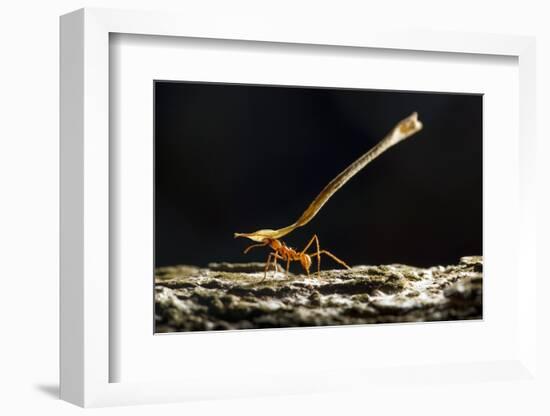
{"points": [[233, 296]]}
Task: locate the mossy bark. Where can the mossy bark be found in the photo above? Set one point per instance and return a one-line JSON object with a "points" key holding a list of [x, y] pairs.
{"points": [[235, 296]]}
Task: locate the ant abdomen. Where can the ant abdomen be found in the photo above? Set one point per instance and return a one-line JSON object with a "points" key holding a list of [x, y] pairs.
{"points": [[305, 260]]}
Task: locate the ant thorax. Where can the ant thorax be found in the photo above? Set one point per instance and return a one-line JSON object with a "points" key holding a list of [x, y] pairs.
{"points": [[280, 247]]}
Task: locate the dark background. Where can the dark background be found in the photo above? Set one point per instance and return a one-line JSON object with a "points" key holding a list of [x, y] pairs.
{"points": [[238, 158]]}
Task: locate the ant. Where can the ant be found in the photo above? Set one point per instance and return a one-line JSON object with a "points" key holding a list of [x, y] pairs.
{"points": [[282, 252]]}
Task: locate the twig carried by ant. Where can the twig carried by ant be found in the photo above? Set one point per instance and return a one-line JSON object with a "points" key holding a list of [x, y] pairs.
{"points": [[267, 237]]}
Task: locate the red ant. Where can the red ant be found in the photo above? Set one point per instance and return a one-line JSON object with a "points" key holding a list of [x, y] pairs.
{"points": [[282, 252]]}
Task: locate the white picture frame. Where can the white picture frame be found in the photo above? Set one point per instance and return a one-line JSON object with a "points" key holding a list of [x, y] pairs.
{"points": [[86, 356]]}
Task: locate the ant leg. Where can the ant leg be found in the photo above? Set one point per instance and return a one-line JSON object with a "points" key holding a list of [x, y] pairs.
{"points": [[328, 253], [310, 243], [267, 266], [268, 262], [252, 246], [275, 257], [318, 256], [275, 264], [316, 239], [287, 267]]}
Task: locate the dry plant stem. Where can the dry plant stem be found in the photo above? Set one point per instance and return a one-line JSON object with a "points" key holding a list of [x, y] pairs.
{"points": [[404, 129]]}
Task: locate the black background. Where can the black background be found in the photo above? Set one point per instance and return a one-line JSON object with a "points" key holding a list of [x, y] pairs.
{"points": [[238, 158]]}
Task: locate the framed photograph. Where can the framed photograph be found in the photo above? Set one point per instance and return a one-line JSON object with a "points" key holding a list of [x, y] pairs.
{"points": [[274, 197], [229, 155]]}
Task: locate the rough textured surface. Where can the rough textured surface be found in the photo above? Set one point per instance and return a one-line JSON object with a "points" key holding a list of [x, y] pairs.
{"points": [[233, 296]]}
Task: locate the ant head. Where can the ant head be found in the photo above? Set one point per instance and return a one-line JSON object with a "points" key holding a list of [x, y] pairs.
{"points": [[274, 244]]}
